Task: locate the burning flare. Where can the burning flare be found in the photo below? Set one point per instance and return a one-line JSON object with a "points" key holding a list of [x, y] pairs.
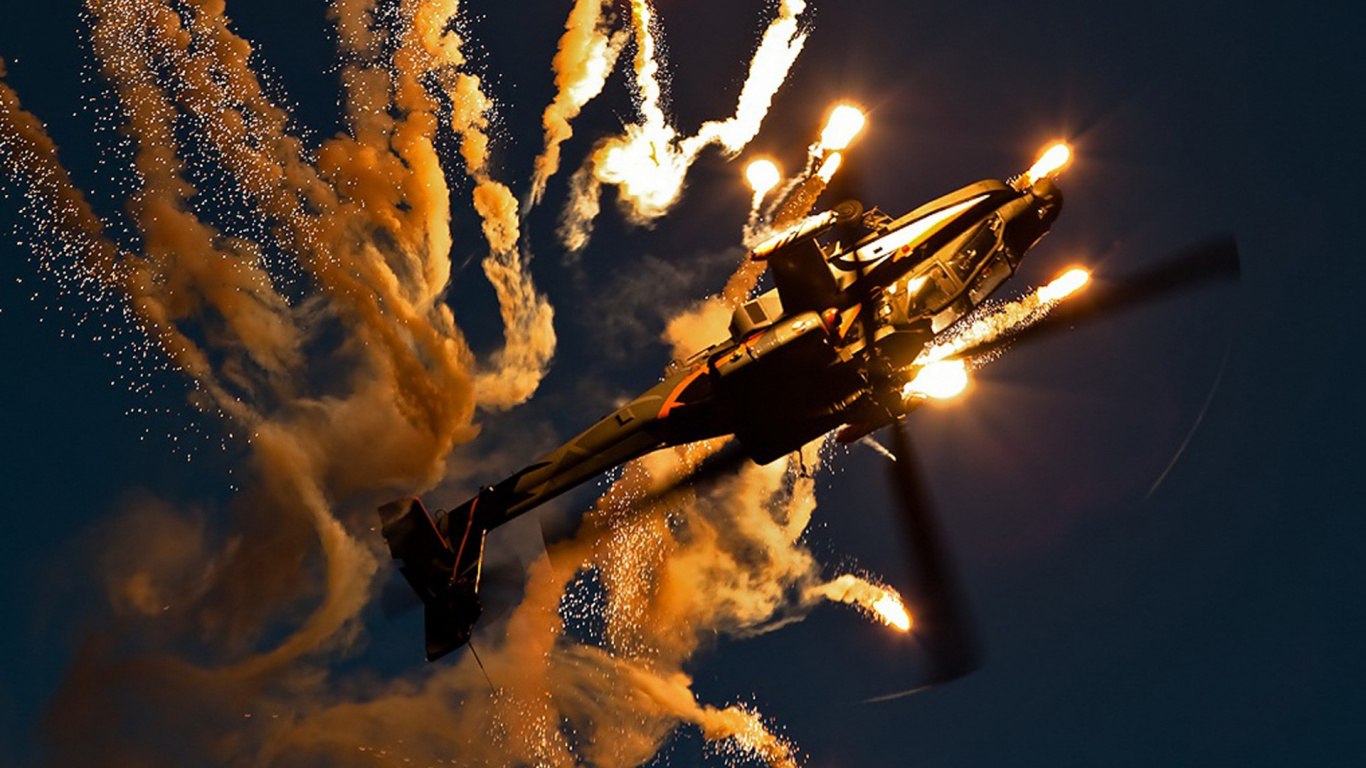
{"points": [[830, 167], [1065, 285], [844, 125], [991, 322], [1049, 164], [881, 602], [763, 176], [889, 609], [939, 380]]}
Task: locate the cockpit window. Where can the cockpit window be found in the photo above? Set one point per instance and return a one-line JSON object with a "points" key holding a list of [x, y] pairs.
{"points": [[993, 274], [937, 291], [913, 232], [972, 254]]}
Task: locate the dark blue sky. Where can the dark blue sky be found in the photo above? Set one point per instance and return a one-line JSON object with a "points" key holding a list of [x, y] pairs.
{"points": [[1214, 621]]}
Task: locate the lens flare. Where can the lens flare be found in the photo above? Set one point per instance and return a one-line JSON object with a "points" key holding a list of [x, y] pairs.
{"points": [[1049, 164], [763, 176], [1065, 285], [844, 124], [889, 609], [940, 380]]}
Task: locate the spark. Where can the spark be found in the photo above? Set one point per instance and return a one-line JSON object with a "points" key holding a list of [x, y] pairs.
{"points": [[992, 321]]}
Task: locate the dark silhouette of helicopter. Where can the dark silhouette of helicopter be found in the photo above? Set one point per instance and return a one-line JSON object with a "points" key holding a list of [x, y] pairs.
{"points": [[834, 346]]}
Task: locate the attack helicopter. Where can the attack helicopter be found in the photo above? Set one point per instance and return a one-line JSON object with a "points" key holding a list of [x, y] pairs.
{"points": [[834, 346]]}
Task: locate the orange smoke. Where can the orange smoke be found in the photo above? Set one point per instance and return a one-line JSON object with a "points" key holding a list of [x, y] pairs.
{"points": [[364, 217]]}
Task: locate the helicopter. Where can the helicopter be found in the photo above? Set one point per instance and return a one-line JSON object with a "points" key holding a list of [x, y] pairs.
{"points": [[834, 346]]}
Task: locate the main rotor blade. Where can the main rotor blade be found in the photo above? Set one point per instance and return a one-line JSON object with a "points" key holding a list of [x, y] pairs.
{"points": [[1210, 261], [938, 607]]}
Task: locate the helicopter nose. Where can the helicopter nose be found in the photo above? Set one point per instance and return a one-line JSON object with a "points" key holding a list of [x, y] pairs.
{"points": [[1032, 221], [1046, 190]]}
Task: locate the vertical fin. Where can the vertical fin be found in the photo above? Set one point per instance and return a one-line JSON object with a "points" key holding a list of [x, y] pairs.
{"points": [[446, 579]]}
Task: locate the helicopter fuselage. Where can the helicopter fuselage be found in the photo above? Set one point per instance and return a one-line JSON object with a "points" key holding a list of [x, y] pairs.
{"points": [[795, 364], [856, 297]]}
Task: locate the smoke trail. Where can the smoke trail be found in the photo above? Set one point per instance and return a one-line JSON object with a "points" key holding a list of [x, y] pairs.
{"points": [[648, 164], [879, 602], [671, 572], [433, 48], [366, 222], [587, 55], [669, 581], [224, 632]]}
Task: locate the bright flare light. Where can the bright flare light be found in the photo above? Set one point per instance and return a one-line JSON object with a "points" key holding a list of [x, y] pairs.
{"points": [[763, 176], [889, 609], [1050, 163], [844, 124], [940, 380], [1065, 285], [828, 168]]}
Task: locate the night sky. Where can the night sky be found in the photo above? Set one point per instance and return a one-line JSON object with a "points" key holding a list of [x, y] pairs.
{"points": [[1212, 618]]}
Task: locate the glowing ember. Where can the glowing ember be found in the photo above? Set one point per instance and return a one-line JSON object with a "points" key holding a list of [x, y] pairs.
{"points": [[1065, 285], [939, 380], [844, 124], [763, 176], [829, 167], [890, 610], [1050, 163]]}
